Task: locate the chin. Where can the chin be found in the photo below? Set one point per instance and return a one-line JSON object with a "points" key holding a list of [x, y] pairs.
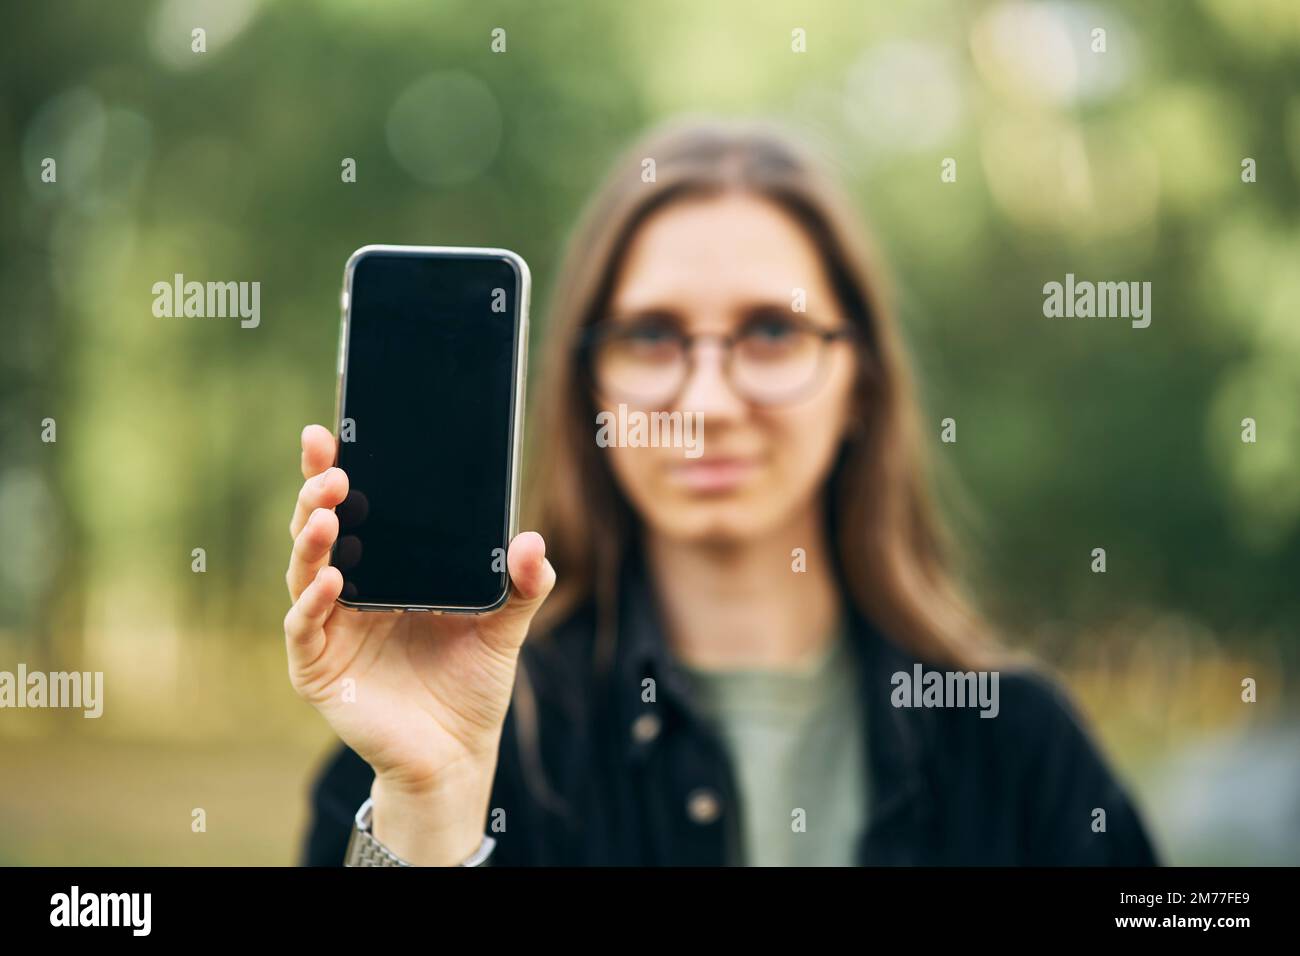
{"points": [[714, 523]]}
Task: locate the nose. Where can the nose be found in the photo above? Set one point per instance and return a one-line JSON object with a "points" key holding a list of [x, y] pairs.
{"points": [[707, 389]]}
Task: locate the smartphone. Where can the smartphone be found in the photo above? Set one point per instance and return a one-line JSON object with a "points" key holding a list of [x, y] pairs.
{"points": [[431, 377]]}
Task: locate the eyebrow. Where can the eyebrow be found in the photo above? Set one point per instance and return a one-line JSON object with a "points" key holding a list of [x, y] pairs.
{"points": [[753, 310]]}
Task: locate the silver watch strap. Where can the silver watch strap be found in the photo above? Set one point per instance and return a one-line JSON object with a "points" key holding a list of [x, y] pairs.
{"points": [[365, 850]]}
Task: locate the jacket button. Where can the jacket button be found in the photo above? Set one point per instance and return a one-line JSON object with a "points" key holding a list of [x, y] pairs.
{"points": [[703, 806], [645, 728]]}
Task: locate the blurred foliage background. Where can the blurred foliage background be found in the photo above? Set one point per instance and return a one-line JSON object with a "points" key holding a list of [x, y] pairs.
{"points": [[174, 434]]}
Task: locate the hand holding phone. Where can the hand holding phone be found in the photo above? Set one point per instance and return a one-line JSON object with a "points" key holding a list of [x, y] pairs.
{"points": [[420, 696]]}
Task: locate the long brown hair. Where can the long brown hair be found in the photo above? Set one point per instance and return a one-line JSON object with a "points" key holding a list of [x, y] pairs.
{"points": [[890, 549]]}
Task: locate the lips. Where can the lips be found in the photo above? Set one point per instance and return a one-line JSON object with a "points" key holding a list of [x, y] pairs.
{"points": [[716, 474]]}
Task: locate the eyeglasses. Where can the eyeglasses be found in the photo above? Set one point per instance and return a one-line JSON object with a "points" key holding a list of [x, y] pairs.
{"points": [[773, 358]]}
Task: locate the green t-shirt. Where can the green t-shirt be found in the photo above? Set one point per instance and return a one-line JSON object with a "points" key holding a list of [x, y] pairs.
{"points": [[796, 740]]}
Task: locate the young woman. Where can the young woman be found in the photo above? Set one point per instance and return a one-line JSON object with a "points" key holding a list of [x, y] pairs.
{"points": [[726, 657]]}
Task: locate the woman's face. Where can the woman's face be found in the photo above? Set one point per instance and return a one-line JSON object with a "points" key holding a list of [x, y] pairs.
{"points": [[718, 266]]}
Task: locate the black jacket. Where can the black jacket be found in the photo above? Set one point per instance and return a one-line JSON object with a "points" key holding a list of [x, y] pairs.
{"points": [[649, 784]]}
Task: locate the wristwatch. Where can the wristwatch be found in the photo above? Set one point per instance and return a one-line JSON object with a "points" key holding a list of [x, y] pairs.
{"points": [[365, 850]]}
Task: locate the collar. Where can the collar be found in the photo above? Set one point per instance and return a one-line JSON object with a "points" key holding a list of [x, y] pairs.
{"points": [[642, 652], [898, 739], [899, 743]]}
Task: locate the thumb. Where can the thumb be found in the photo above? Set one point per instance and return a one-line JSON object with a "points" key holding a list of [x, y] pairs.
{"points": [[532, 578]]}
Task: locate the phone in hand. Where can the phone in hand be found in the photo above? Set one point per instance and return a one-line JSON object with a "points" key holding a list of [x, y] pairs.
{"points": [[431, 375]]}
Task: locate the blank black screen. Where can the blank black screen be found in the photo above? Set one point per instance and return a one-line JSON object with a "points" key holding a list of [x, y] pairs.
{"points": [[429, 386]]}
